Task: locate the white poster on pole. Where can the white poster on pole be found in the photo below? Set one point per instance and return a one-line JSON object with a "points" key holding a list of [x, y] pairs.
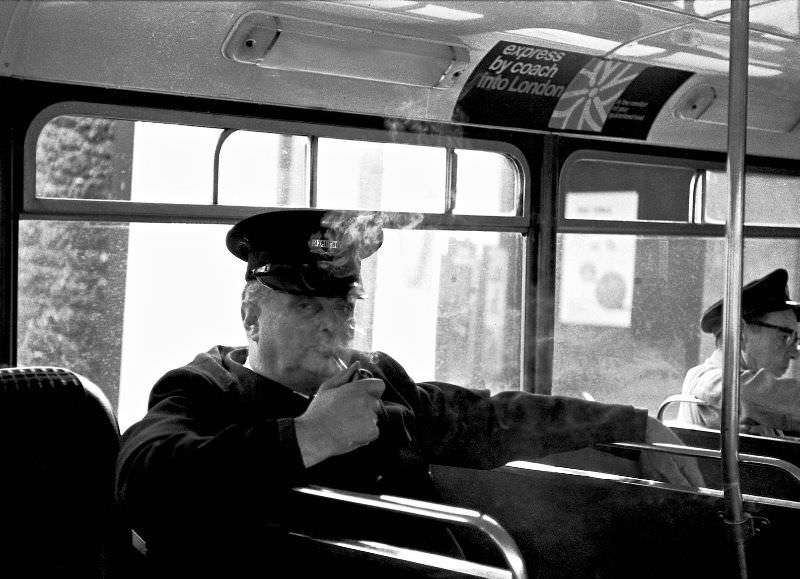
{"points": [[597, 271]]}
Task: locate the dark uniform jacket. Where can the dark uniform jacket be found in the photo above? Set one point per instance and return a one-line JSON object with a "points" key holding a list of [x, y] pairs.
{"points": [[205, 476]]}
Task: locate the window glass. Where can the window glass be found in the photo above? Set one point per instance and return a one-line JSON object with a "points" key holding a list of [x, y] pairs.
{"points": [[380, 176], [80, 157], [71, 297], [628, 310], [770, 199], [173, 163], [447, 305], [264, 170], [487, 184], [122, 303], [95, 158], [631, 191], [84, 158]]}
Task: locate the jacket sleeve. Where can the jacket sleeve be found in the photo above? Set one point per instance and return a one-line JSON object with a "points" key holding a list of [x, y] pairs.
{"points": [[471, 429], [190, 459], [463, 427]]}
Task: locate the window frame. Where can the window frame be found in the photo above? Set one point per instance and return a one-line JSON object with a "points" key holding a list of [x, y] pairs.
{"points": [[690, 227], [693, 226], [134, 211], [525, 223]]}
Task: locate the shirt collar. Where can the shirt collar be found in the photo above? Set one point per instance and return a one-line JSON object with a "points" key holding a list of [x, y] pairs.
{"points": [[717, 359]]}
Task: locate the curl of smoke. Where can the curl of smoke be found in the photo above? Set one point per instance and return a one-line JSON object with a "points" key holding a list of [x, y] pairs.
{"points": [[404, 127], [359, 234]]}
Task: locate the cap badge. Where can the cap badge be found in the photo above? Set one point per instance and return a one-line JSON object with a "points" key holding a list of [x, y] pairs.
{"points": [[327, 247]]}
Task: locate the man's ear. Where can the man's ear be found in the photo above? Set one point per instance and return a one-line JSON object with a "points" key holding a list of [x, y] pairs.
{"points": [[744, 335], [250, 320]]}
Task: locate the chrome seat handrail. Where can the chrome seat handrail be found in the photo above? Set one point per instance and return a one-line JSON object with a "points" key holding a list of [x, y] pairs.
{"points": [[435, 511], [780, 464], [678, 399]]}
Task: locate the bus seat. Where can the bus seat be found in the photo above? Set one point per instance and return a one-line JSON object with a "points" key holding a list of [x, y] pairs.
{"points": [[754, 478], [320, 530], [572, 523], [762, 473], [759, 474], [594, 459], [784, 447], [360, 556], [678, 399], [58, 444]]}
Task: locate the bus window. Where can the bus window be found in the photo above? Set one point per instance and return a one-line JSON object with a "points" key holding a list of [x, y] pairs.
{"points": [[84, 158], [71, 297], [381, 176], [628, 310], [172, 163], [628, 306], [486, 184], [614, 190], [96, 158], [124, 298], [260, 169], [413, 178], [447, 304], [770, 198], [627, 314]]}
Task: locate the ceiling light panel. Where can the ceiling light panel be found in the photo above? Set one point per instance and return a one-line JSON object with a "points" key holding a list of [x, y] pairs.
{"points": [[445, 13], [589, 42], [281, 42], [700, 8], [382, 4]]}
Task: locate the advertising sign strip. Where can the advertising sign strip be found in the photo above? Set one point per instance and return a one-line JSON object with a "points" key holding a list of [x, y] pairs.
{"points": [[519, 85]]}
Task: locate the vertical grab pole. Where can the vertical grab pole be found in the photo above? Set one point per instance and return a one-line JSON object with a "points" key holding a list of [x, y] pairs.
{"points": [[737, 136]]}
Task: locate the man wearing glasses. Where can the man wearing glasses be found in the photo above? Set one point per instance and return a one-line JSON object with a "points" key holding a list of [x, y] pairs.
{"points": [[769, 405]]}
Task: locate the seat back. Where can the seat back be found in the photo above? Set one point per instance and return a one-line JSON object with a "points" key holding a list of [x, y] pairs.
{"points": [[571, 523], [345, 533], [58, 445], [786, 448], [758, 479]]}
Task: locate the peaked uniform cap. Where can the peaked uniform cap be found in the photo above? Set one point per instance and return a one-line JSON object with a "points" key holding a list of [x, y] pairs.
{"points": [[761, 296], [306, 251]]}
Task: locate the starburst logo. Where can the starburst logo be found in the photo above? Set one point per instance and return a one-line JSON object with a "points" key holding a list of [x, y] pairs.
{"points": [[591, 95]]}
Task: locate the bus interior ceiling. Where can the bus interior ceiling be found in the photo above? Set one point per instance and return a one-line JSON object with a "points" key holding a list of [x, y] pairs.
{"points": [[416, 61]]}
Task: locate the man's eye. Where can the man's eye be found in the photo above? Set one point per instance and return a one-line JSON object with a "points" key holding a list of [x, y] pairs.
{"points": [[307, 305]]}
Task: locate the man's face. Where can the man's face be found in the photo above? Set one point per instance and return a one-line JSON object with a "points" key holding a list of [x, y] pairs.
{"points": [[300, 335], [767, 347]]}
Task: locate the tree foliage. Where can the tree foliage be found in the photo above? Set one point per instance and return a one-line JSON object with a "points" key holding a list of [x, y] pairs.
{"points": [[72, 273]]}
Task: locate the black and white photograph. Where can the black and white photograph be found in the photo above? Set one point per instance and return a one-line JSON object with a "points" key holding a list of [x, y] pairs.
{"points": [[392, 289]]}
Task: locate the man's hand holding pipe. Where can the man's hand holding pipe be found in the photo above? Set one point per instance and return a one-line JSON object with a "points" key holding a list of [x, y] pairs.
{"points": [[342, 416]]}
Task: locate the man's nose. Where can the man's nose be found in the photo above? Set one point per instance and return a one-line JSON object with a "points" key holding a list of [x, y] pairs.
{"points": [[332, 320]]}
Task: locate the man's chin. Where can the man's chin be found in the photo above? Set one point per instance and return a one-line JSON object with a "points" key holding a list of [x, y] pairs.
{"points": [[781, 371], [322, 368]]}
